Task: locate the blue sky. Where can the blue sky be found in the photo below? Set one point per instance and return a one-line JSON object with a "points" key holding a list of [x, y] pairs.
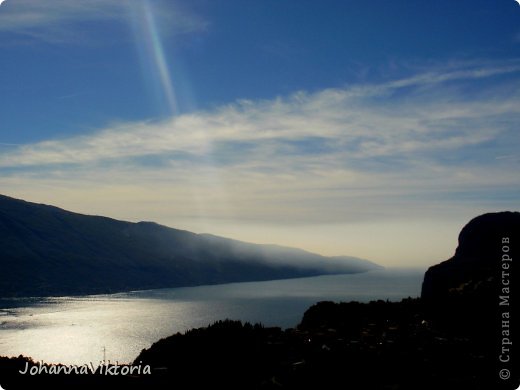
{"points": [[367, 128]]}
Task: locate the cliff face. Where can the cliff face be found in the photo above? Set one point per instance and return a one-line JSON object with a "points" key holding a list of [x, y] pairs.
{"points": [[476, 268]]}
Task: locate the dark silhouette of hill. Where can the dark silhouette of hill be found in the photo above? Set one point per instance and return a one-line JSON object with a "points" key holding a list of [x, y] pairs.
{"points": [[50, 251], [466, 290], [476, 266]]}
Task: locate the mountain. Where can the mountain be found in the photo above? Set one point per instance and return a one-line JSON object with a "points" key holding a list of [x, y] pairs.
{"points": [[476, 267], [49, 251], [471, 294]]}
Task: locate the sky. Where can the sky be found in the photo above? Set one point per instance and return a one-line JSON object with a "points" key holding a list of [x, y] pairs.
{"points": [[374, 129]]}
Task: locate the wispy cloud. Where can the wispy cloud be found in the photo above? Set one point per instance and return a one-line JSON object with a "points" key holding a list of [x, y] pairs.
{"points": [[63, 21], [398, 118]]}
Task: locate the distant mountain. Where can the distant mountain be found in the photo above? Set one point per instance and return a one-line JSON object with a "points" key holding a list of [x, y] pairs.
{"points": [[49, 251]]}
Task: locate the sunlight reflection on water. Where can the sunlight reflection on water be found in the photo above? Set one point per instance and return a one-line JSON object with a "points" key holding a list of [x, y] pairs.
{"points": [[74, 330]]}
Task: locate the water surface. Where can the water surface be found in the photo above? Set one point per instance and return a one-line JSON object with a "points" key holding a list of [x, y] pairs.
{"points": [[75, 330]]}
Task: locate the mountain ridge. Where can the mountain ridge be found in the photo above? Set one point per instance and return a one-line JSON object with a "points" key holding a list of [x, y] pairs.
{"points": [[51, 251]]}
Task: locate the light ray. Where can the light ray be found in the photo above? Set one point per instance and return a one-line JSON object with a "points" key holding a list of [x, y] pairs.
{"points": [[156, 67], [157, 72]]}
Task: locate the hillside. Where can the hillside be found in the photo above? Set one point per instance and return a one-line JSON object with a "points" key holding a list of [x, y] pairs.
{"points": [[50, 251]]}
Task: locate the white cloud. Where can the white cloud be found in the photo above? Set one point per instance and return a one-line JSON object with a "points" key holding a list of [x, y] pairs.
{"points": [[350, 124], [428, 147], [59, 21]]}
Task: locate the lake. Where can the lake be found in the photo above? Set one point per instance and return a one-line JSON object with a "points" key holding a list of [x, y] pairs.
{"points": [[77, 330]]}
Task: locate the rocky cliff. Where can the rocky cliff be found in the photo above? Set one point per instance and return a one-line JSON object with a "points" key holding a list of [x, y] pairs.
{"points": [[476, 267]]}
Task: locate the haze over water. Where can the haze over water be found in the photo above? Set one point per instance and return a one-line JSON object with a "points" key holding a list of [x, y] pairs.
{"points": [[74, 330]]}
